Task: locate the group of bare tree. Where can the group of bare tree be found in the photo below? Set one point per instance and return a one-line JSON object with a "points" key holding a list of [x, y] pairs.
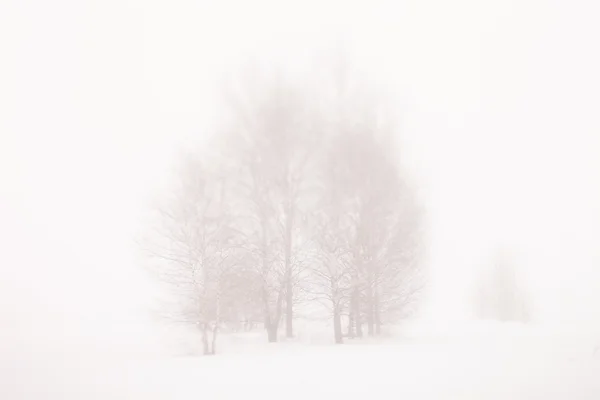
{"points": [[301, 202]]}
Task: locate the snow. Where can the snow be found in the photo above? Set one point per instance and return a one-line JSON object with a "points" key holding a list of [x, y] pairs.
{"points": [[479, 83], [483, 362]]}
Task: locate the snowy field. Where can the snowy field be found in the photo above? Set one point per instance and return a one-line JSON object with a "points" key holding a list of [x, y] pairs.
{"points": [[479, 363], [497, 108]]}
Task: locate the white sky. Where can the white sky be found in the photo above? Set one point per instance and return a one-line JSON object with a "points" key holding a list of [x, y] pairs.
{"points": [[500, 113]]}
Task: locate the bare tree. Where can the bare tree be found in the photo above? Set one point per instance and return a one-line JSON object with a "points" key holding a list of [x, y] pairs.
{"points": [[387, 241], [273, 141], [367, 230], [368, 223], [382, 221], [333, 230], [306, 204], [499, 295], [198, 249], [399, 277]]}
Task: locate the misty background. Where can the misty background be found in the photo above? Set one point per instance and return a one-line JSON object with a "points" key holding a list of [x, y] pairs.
{"points": [[498, 102]]}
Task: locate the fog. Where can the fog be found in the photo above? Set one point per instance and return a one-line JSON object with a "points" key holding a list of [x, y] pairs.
{"points": [[497, 102]]}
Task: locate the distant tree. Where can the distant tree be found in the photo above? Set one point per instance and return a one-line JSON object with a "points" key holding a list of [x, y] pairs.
{"points": [[500, 295]]}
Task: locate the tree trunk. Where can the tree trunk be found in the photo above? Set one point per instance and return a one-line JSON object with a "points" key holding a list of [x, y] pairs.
{"points": [[272, 322], [289, 310], [213, 349], [271, 326], [357, 318], [351, 322], [337, 325], [289, 294], [205, 347], [377, 308], [272, 332], [369, 301], [217, 319]]}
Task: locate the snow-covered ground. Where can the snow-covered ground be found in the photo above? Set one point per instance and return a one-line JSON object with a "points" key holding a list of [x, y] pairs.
{"points": [[482, 363]]}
